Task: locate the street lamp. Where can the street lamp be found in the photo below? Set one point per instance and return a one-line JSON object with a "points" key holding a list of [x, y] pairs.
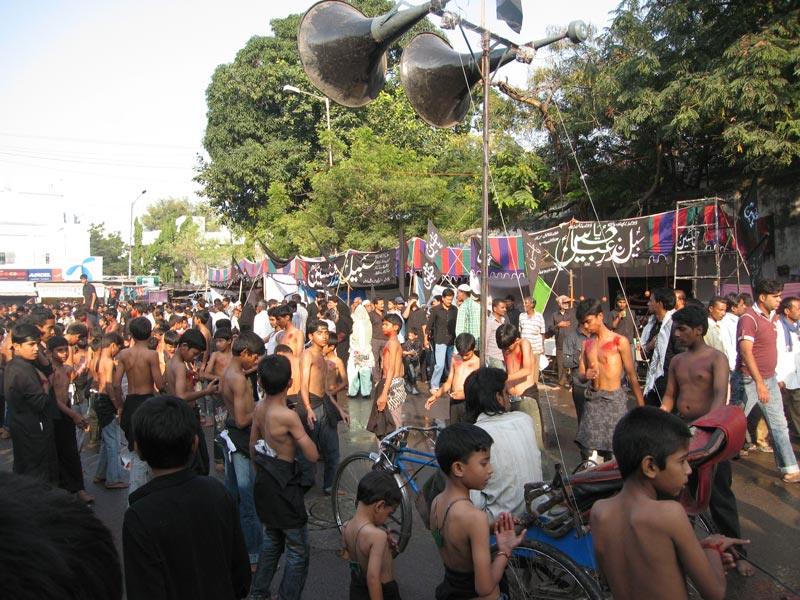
{"points": [[326, 100], [130, 238]]}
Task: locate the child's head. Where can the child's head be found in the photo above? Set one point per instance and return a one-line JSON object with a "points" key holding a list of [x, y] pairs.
{"points": [[283, 349], [392, 323], [165, 431], [171, 338], [59, 347], [379, 489], [191, 344], [248, 347], [112, 342], [589, 313], [222, 339], [648, 435], [275, 374], [465, 344], [141, 328], [506, 335], [412, 334], [688, 324], [462, 451], [333, 341]]}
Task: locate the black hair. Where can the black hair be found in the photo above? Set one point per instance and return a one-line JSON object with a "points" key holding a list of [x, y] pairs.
{"points": [[40, 316], [223, 324], [480, 391], [152, 343], [588, 307], [458, 442], [283, 348], [333, 339], [174, 319], [111, 312], [171, 337], [747, 299], [59, 329], [394, 320], [315, 325], [57, 341], [112, 338], [786, 304], [193, 339], [43, 525], [647, 431], [223, 333], [691, 316], [766, 287], [620, 296], [413, 330], [696, 303], [733, 300], [250, 341], [78, 329], [274, 374], [283, 311], [140, 328], [202, 316], [506, 335], [448, 292], [379, 485], [292, 304], [664, 295], [716, 300], [165, 429]]}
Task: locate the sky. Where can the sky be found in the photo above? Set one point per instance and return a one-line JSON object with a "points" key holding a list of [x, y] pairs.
{"points": [[101, 100]]}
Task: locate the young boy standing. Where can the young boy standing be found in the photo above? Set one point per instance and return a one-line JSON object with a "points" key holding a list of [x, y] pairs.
{"points": [[390, 391], [464, 363], [646, 546], [278, 488], [460, 530], [108, 408], [523, 392], [366, 545], [181, 536], [603, 359]]}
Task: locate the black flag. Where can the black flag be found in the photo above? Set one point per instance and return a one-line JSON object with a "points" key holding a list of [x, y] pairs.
{"points": [[510, 11]]}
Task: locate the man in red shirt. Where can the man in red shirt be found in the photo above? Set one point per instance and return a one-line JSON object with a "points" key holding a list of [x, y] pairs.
{"points": [[757, 335]]}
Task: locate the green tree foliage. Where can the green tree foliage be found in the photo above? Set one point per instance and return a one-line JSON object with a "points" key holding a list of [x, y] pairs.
{"points": [[111, 247]]}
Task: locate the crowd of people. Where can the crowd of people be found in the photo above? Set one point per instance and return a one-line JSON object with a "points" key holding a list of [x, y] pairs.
{"points": [[141, 382]]}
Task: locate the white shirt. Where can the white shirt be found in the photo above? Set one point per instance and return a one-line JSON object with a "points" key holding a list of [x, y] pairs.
{"points": [[516, 460], [788, 368], [728, 330], [261, 325], [300, 318], [532, 329]]}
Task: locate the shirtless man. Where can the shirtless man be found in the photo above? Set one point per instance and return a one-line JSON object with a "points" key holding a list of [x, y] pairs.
{"points": [[107, 406], [391, 390], [464, 363], [280, 506], [335, 376], [290, 335], [181, 379], [523, 393], [237, 394], [321, 426], [603, 359], [213, 371], [142, 368], [697, 384]]}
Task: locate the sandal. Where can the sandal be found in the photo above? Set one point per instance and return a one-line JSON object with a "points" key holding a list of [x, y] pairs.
{"points": [[791, 478]]}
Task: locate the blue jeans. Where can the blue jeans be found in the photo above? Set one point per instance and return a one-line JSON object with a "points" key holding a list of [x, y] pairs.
{"points": [[108, 465], [295, 568], [443, 353], [239, 480], [326, 436], [776, 422]]}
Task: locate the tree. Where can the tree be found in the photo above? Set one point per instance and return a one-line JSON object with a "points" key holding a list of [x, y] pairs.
{"points": [[111, 247]]}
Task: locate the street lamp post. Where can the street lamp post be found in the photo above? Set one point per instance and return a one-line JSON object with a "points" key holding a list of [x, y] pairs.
{"points": [[130, 238], [326, 100]]}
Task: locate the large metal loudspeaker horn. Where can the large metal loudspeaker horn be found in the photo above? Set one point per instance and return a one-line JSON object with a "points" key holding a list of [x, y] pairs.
{"points": [[437, 79], [344, 52]]}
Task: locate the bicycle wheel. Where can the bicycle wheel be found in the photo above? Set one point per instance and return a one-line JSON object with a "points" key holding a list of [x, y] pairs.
{"points": [[537, 570], [343, 498]]}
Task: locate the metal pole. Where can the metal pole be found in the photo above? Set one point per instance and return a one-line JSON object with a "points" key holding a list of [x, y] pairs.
{"points": [[328, 117], [130, 237], [485, 251]]}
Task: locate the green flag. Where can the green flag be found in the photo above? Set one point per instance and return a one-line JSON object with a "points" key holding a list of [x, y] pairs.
{"points": [[541, 294]]}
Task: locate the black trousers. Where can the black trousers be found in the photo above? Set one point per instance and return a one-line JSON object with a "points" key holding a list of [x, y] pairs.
{"points": [[723, 504], [70, 470]]}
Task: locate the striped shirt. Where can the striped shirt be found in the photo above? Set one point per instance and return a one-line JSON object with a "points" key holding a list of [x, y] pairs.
{"points": [[532, 329]]}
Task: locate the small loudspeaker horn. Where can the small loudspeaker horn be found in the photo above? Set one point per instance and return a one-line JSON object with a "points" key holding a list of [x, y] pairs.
{"points": [[437, 79], [344, 52]]}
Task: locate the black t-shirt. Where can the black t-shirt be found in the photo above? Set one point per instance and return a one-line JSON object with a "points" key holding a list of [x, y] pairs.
{"points": [[88, 291]]}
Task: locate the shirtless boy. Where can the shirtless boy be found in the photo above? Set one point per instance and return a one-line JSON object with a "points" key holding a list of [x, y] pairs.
{"points": [[645, 546], [237, 395], [523, 393], [143, 370], [697, 383], [213, 371], [290, 335], [107, 406], [293, 393], [278, 490], [335, 377], [181, 379], [459, 529], [603, 359], [319, 425], [391, 388], [70, 471], [464, 363]]}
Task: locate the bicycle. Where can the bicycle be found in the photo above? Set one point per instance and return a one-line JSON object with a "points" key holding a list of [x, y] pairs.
{"points": [[537, 569]]}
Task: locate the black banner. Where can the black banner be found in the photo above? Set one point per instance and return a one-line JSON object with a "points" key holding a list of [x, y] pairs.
{"points": [[364, 269]]}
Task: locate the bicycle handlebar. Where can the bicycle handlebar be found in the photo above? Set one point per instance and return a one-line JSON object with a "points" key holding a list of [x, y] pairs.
{"points": [[406, 429]]}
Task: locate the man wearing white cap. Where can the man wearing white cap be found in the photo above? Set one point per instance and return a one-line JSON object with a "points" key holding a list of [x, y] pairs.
{"points": [[469, 314], [562, 322]]}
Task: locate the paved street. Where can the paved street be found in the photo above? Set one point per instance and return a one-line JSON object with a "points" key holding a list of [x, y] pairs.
{"points": [[770, 511]]}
